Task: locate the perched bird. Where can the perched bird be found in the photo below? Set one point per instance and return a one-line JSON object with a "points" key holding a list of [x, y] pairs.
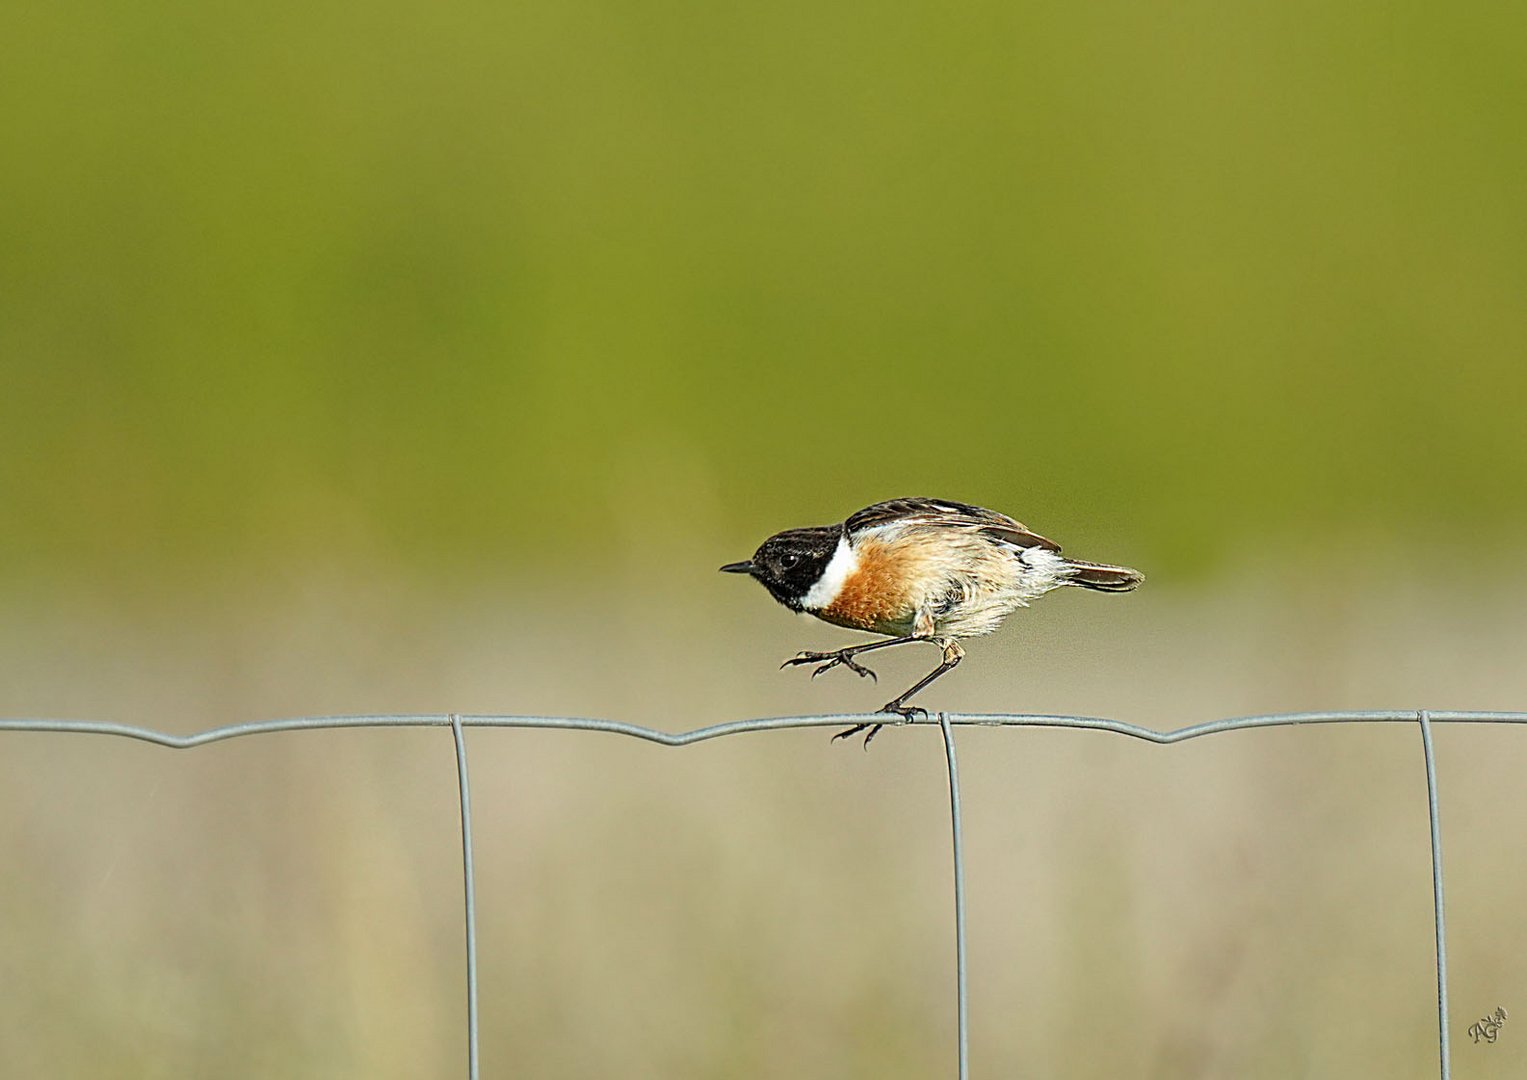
{"points": [[916, 570]]}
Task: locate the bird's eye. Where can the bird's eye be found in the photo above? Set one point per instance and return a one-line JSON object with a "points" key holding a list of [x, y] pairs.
{"points": [[789, 561]]}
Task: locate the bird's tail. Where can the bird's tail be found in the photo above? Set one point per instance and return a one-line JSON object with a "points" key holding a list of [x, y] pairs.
{"points": [[1102, 577]]}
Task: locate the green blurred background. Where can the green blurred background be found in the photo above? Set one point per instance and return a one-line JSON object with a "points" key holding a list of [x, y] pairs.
{"points": [[430, 357], [476, 282]]}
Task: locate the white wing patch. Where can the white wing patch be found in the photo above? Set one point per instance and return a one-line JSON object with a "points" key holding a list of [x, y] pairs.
{"points": [[839, 569]]}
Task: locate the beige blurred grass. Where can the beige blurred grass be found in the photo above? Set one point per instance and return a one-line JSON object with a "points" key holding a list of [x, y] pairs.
{"points": [[1250, 905]]}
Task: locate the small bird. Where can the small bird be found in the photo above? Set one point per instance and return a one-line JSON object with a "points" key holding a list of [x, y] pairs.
{"points": [[916, 570]]}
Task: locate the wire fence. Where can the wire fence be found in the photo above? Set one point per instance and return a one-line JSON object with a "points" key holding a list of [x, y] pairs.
{"points": [[946, 722]]}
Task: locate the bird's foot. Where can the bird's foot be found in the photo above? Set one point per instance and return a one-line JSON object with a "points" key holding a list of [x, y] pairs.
{"points": [[830, 660], [907, 713], [874, 729]]}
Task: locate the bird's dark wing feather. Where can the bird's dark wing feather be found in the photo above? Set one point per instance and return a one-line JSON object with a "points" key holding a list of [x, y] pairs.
{"points": [[944, 514]]}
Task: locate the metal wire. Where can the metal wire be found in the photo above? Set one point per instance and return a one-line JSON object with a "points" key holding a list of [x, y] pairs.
{"points": [[1437, 907], [738, 727], [945, 721], [962, 997], [469, 887]]}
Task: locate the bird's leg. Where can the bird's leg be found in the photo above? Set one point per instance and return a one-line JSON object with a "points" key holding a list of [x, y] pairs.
{"points": [[830, 660], [953, 654]]}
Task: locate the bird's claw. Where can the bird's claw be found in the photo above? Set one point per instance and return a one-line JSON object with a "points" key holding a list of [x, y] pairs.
{"points": [[847, 732], [830, 660], [908, 713]]}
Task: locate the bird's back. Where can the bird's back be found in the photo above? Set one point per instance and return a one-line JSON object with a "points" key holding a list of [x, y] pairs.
{"points": [[934, 567]]}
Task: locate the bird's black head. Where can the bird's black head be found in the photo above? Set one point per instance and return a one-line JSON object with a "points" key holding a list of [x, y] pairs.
{"points": [[790, 563]]}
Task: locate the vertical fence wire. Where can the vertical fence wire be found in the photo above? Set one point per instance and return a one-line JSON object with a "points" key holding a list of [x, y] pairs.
{"points": [[469, 889], [1437, 905], [962, 997]]}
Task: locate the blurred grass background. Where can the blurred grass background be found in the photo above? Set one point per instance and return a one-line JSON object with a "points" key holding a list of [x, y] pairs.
{"points": [[401, 357]]}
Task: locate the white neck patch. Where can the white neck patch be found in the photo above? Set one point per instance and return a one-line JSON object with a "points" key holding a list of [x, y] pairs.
{"points": [[838, 570]]}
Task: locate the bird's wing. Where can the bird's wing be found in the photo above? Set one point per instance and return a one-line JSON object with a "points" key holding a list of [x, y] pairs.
{"points": [[944, 514]]}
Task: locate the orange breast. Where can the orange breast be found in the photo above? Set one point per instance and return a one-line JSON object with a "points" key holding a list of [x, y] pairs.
{"points": [[880, 595]]}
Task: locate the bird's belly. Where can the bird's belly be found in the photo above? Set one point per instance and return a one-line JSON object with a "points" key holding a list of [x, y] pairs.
{"points": [[974, 617], [876, 621]]}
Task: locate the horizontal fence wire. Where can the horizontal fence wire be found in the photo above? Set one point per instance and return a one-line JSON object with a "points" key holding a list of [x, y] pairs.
{"points": [[740, 727], [944, 721]]}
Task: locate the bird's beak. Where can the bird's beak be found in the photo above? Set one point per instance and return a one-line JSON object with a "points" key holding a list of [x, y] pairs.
{"points": [[737, 568]]}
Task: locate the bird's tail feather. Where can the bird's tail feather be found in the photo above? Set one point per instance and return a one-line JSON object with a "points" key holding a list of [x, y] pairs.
{"points": [[1102, 577]]}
